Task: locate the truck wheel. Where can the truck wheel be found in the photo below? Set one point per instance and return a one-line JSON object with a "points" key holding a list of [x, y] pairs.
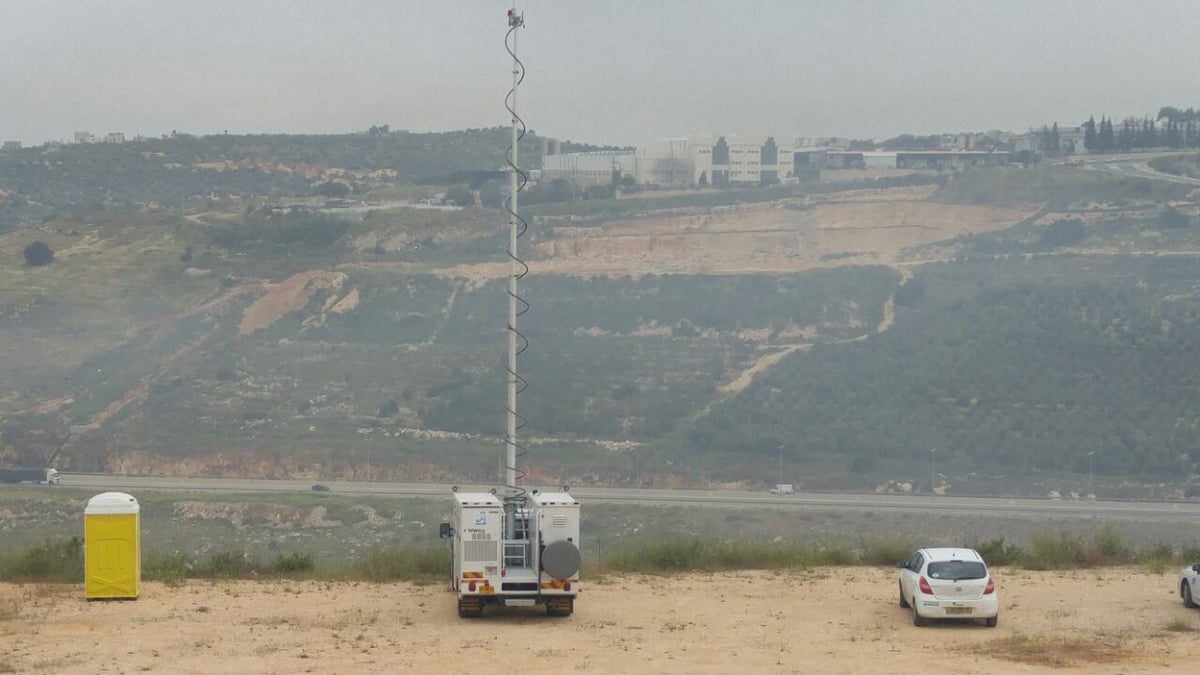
{"points": [[903, 602], [1185, 590], [918, 620]]}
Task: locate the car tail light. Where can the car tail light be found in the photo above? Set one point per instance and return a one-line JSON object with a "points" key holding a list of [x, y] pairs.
{"points": [[924, 586], [471, 587], [991, 587]]}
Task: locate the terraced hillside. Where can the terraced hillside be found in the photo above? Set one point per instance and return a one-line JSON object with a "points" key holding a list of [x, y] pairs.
{"points": [[672, 336]]}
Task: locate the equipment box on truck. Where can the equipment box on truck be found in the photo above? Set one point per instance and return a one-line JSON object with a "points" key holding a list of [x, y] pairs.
{"points": [[532, 561]]}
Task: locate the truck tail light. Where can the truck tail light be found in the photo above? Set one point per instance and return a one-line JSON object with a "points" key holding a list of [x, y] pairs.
{"points": [[471, 586], [924, 586], [991, 587]]}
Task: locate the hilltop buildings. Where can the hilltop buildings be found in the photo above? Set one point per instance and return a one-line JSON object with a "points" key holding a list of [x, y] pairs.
{"points": [[746, 160]]}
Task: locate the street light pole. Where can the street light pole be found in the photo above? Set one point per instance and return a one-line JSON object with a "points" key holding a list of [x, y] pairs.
{"points": [[932, 471], [1092, 472]]}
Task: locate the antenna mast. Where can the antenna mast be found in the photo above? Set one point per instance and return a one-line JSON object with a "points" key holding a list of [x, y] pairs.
{"points": [[517, 343]]}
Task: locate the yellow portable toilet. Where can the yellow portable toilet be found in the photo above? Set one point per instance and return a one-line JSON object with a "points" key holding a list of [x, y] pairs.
{"points": [[112, 547]]}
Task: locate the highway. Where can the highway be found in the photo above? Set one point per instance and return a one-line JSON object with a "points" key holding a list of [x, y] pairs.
{"points": [[1168, 511]]}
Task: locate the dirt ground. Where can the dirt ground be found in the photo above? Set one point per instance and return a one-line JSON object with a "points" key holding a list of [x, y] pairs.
{"points": [[771, 237], [842, 620]]}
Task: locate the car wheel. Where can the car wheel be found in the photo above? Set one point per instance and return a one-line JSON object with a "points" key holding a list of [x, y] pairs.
{"points": [[1185, 590], [903, 602], [992, 621], [918, 620]]}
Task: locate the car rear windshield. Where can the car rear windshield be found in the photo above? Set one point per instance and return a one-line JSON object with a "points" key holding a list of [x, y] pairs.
{"points": [[954, 570]]}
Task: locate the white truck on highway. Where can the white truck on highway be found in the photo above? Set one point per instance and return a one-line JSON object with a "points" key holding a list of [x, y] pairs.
{"points": [[783, 489], [35, 476]]}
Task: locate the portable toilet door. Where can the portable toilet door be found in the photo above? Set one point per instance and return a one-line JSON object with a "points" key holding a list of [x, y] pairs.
{"points": [[112, 547]]}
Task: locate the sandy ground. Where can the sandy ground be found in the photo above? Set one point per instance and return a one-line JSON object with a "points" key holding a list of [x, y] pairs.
{"points": [[761, 237], [842, 620]]}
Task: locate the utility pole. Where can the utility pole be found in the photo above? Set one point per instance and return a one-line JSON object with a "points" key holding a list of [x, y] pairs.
{"points": [[780, 481], [1092, 472], [932, 471]]}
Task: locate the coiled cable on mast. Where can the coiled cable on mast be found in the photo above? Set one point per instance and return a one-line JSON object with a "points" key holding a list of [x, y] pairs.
{"points": [[516, 21]]}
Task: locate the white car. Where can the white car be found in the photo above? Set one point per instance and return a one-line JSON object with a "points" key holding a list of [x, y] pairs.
{"points": [[1188, 578], [948, 583]]}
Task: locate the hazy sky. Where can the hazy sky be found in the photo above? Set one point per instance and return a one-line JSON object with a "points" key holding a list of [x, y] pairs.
{"points": [[602, 71]]}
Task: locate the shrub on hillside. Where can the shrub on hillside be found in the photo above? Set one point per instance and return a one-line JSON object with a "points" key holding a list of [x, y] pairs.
{"points": [[333, 189], [1064, 232], [38, 253], [1172, 218]]}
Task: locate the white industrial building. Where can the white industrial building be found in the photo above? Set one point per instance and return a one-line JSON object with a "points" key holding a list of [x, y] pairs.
{"points": [[681, 162], [743, 160], [746, 160], [588, 168]]}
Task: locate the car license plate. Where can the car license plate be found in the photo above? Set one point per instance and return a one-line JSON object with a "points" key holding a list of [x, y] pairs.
{"points": [[959, 610]]}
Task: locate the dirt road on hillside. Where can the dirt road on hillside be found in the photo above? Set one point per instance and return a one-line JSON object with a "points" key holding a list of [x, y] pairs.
{"points": [[818, 621]]}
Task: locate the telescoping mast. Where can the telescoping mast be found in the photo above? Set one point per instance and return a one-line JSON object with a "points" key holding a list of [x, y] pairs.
{"points": [[513, 546]]}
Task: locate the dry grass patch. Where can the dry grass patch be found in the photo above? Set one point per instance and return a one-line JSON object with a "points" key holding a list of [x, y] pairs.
{"points": [[10, 609], [1179, 625], [1056, 652], [273, 621]]}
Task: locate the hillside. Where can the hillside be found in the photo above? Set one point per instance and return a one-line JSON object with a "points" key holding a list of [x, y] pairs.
{"points": [[1016, 319]]}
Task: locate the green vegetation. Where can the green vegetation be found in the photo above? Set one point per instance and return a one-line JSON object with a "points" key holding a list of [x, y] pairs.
{"points": [[288, 231], [1055, 187], [1182, 130], [1004, 366], [1179, 165], [186, 170], [38, 253], [627, 359], [427, 563], [60, 561]]}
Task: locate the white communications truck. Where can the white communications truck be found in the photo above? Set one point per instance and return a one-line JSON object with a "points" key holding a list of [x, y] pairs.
{"points": [[537, 565], [514, 546]]}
